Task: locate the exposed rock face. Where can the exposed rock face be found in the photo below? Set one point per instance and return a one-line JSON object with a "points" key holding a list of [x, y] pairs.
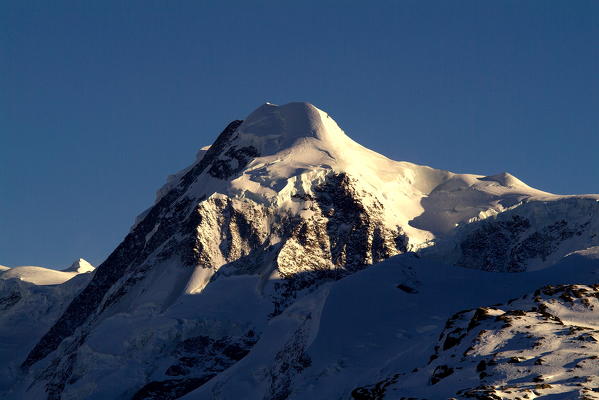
{"points": [[199, 359], [345, 233], [26, 311], [529, 236], [9, 297]]}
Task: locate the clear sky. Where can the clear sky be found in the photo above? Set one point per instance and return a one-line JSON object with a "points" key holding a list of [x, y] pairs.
{"points": [[100, 101]]}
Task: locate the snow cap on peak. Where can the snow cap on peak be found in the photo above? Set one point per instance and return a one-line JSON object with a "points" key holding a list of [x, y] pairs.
{"points": [[80, 266], [282, 126]]}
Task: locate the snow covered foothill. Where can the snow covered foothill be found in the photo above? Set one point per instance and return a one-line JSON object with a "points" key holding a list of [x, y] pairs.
{"points": [[47, 276]]}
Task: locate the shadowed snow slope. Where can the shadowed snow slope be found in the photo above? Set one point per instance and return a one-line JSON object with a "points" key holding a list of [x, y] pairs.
{"points": [[245, 278]]}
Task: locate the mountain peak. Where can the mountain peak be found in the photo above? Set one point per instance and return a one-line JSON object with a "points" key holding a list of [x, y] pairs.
{"points": [[80, 266], [296, 111], [272, 128]]}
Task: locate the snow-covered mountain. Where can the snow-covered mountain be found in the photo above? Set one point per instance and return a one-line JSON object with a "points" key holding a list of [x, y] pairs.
{"points": [[248, 276], [46, 276]]}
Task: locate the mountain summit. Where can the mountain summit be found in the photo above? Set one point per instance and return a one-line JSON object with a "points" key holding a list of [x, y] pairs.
{"points": [[243, 250], [272, 128]]}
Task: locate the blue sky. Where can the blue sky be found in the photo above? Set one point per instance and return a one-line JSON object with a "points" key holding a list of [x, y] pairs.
{"points": [[100, 101]]}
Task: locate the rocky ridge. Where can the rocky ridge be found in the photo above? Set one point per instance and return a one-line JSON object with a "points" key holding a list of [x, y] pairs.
{"points": [[539, 345]]}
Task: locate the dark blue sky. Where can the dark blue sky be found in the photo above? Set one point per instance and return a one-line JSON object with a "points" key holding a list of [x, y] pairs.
{"points": [[100, 101]]}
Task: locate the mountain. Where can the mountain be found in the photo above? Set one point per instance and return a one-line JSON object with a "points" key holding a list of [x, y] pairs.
{"points": [[249, 276]]}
